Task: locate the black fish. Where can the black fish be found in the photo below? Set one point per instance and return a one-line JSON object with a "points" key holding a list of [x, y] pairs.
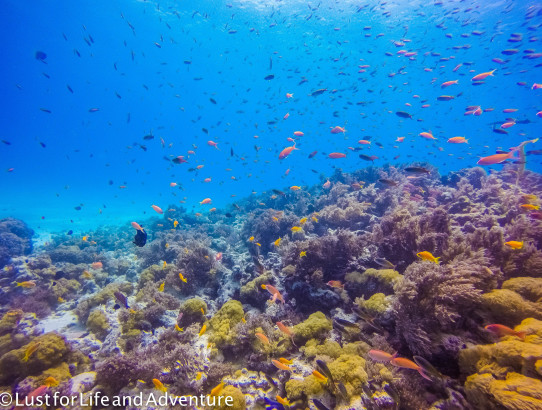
{"points": [[276, 191], [403, 114], [148, 137], [534, 152], [269, 77], [313, 153], [40, 55], [344, 322], [365, 157], [342, 390], [325, 370], [417, 170], [70, 232], [140, 238], [228, 215], [212, 100], [122, 299], [319, 405], [318, 92]]}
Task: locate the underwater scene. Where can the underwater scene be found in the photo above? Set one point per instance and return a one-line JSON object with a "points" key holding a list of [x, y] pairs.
{"points": [[271, 204]]}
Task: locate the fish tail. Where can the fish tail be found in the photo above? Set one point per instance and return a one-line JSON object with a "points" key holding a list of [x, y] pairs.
{"points": [[437, 260]]}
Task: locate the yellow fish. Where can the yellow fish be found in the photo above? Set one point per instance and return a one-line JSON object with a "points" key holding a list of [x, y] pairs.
{"points": [[251, 239], [60, 299], [161, 287], [296, 229], [259, 244], [175, 223], [51, 382], [167, 245], [319, 376], [202, 311], [203, 329], [178, 328], [514, 244], [285, 361], [530, 207], [85, 238], [158, 385], [302, 253], [277, 242], [314, 219], [86, 275], [181, 277], [275, 219], [164, 265], [216, 391], [30, 350], [302, 221], [27, 284], [282, 401], [295, 188], [198, 375], [427, 256], [244, 320]]}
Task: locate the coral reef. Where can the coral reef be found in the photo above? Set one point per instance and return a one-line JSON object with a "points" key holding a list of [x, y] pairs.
{"points": [[15, 239]]}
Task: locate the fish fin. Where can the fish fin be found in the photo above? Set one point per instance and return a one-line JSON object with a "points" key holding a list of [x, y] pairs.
{"points": [[424, 375], [521, 335]]}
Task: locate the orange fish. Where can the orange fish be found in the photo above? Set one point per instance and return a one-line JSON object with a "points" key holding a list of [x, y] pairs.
{"points": [[207, 180], [157, 209], [364, 142], [284, 329], [448, 83], [287, 151], [97, 265], [400, 139], [137, 226], [262, 337], [280, 365], [427, 135], [205, 201], [212, 144], [483, 76], [501, 330], [200, 166], [289, 95], [336, 155], [336, 284], [286, 116], [405, 363], [327, 184], [496, 158], [508, 124], [458, 140], [172, 184], [276, 294], [380, 356], [218, 256], [298, 133]]}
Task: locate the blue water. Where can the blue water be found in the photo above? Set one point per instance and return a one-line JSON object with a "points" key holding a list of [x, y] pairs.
{"points": [[88, 155]]}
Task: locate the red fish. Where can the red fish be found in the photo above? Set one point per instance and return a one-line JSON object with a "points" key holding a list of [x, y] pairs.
{"points": [[212, 144], [496, 158], [157, 209], [337, 130]]}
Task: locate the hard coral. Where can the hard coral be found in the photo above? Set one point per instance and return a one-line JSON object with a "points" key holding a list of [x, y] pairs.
{"points": [[193, 310], [222, 324], [238, 403], [15, 239]]}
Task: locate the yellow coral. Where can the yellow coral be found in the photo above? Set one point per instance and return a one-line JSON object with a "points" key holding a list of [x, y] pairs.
{"points": [[350, 370], [296, 388], [509, 307], [329, 348], [239, 401], [377, 304], [527, 287], [223, 322], [98, 324], [316, 326]]}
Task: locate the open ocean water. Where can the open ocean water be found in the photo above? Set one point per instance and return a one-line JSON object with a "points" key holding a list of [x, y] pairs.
{"points": [[350, 186]]}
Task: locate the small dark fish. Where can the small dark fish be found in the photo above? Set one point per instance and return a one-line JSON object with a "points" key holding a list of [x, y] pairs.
{"points": [[69, 89], [93, 109], [384, 263], [212, 100], [77, 208], [510, 51], [205, 130], [445, 98], [228, 215], [121, 298], [70, 232], [319, 405], [46, 110], [500, 131], [187, 62], [417, 170], [366, 157], [269, 77], [148, 137], [237, 206], [41, 56], [342, 390], [403, 114], [534, 152], [43, 144], [116, 306], [6, 142], [388, 182], [140, 238], [325, 370], [312, 154], [276, 191], [318, 92]]}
